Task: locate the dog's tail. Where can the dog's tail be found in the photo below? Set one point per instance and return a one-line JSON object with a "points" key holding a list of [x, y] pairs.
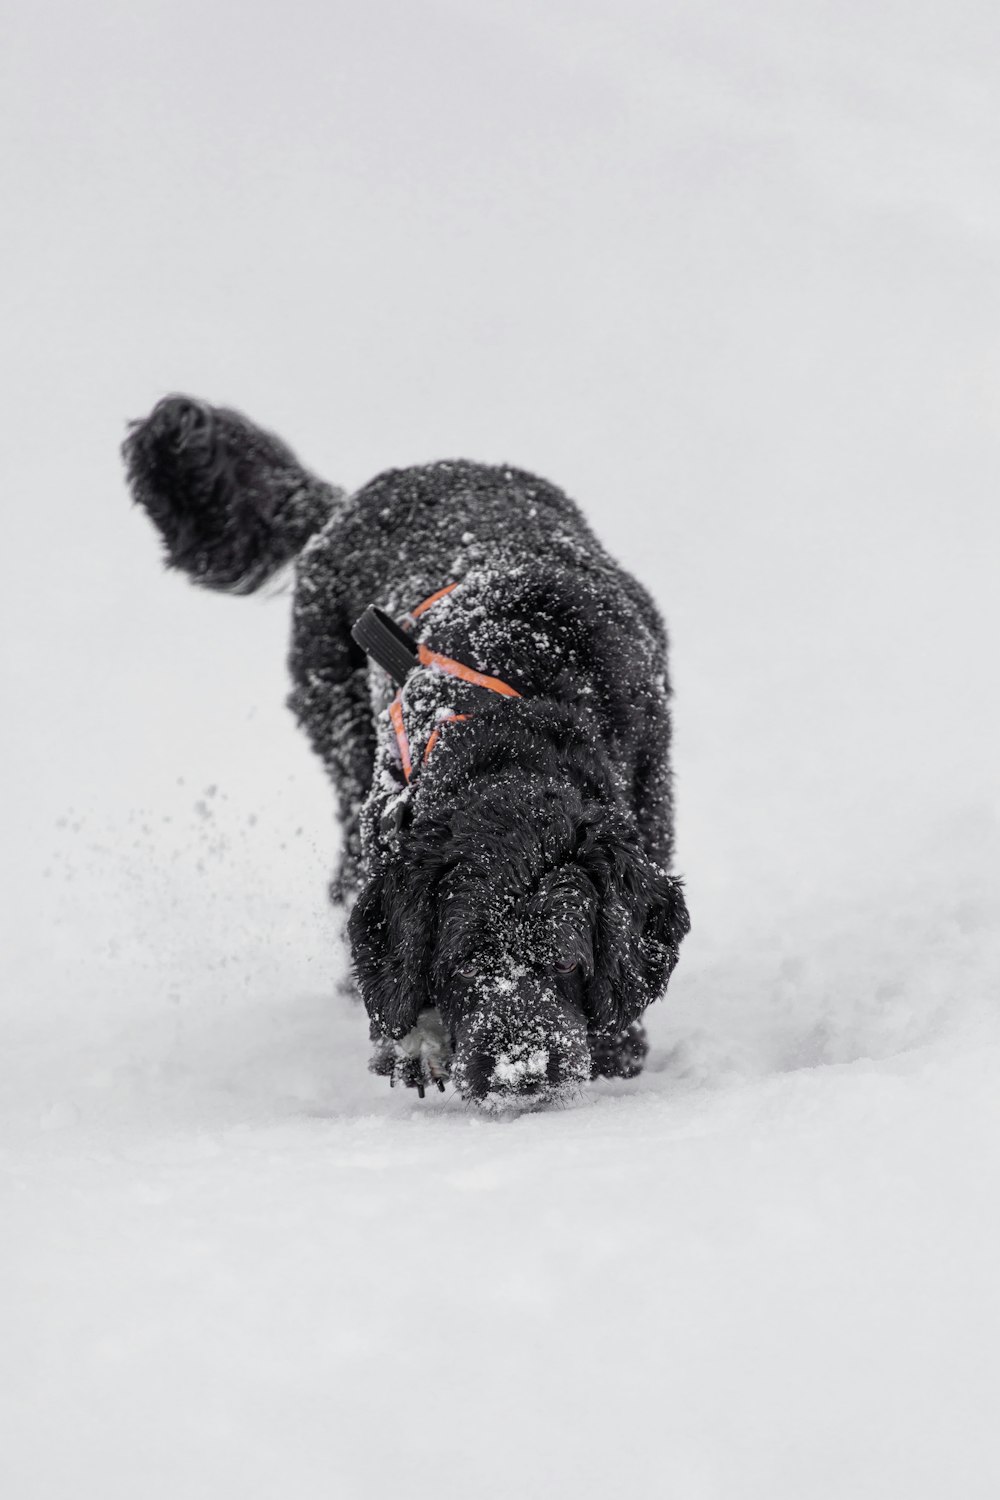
{"points": [[230, 501]]}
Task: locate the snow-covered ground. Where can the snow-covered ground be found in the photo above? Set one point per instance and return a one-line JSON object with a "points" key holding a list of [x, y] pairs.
{"points": [[730, 275]]}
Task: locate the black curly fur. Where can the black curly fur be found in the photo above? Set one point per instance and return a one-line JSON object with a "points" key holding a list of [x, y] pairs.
{"points": [[519, 887], [230, 501]]}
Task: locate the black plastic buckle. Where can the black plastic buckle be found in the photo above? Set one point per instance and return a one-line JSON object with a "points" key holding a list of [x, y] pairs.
{"points": [[381, 638]]}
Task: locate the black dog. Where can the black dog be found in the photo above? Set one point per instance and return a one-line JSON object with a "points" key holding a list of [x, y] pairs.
{"points": [[507, 814]]}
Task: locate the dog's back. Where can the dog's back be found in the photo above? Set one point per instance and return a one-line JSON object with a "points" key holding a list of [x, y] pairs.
{"points": [[410, 531]]}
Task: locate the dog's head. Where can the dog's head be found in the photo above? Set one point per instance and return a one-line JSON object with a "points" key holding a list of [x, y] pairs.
{"points": [[532, 919]]}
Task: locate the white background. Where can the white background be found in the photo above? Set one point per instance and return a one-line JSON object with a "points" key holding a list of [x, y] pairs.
{"points": [[729, 275]]}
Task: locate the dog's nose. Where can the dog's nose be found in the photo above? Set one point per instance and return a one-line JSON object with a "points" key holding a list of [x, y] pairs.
{"points": [[521, 1048], [517, 1071]]}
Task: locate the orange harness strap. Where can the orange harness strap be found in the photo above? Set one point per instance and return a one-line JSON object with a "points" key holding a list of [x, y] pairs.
{"points": [[428, 603], [436, 732], [429, 658], [396, 715], [447, 664]]}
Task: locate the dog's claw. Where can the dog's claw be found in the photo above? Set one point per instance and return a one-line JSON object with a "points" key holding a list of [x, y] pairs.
{"points": [[418, 1061]]}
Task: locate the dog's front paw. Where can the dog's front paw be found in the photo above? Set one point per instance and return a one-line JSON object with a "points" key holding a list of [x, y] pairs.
{"points": [[621, 1056], [420, 1060]]}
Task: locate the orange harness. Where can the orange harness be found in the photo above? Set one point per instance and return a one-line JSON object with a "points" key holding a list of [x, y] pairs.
{"points": [[425, 657]]}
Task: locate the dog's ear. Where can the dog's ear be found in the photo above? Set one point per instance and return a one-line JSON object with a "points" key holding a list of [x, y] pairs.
{"points": [[391, 931], [640, 921]]}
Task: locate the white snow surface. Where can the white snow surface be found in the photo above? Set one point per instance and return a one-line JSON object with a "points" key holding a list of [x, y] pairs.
{"points": [[730, 275]]}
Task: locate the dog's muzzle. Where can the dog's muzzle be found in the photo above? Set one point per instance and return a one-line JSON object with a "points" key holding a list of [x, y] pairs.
{"points": [[520, 1044]]}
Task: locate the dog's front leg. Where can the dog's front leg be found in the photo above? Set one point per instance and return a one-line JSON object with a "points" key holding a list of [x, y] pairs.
{"points": [[420, 1060]]}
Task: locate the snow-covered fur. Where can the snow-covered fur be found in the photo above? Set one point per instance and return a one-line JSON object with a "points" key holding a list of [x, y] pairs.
{"points": [[512, 907]]}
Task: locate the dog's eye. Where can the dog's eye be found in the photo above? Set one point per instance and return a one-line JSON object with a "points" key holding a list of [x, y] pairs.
{"points": [[565, 965], [465, 973]]}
